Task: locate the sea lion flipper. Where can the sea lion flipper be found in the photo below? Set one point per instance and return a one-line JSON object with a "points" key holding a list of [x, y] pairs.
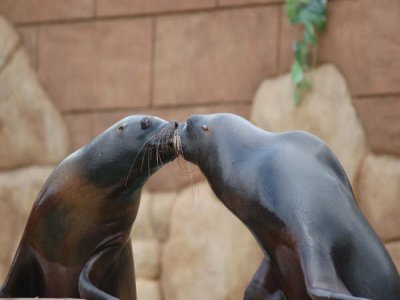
{"points": [[89, 277], [263, 285], [124, 270], [318, 294], [109, 274], [321, 279], [25, 276]]}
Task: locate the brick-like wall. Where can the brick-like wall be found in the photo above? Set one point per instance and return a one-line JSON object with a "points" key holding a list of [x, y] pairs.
{"points": [[100, 60]]}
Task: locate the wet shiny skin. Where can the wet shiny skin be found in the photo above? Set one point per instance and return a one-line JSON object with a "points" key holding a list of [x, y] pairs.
{"points": [[77, 239], [293, 195]]}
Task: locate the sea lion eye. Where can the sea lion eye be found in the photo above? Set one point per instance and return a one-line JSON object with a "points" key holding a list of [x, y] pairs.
{"points": [[204, 127], [121, 127], [145, 123]]}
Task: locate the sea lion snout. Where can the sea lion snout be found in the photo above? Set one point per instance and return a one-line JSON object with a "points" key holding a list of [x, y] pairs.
{"points": [[190, 136]]}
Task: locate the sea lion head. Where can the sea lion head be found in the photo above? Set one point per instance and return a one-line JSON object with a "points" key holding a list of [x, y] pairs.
{"points": [[129, 151], [204, 139]]}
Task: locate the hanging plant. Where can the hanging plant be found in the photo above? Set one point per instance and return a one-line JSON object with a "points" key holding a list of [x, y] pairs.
{"points": [[311, 14]]}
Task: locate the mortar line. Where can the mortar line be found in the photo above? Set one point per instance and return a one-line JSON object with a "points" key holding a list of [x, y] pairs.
{"points": [[153, 59], [147, 14], [158, 107]]}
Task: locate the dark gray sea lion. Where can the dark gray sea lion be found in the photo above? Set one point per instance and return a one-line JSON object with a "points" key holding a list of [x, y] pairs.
{"points": [[77, 239], [292, 193]]}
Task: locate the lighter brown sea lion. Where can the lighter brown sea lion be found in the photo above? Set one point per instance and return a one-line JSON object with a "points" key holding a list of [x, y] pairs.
{"points": [[76, 243]]}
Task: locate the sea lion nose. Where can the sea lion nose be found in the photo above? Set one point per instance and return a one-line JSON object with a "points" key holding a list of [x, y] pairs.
{"points": [[181, 126], [173, 124]]}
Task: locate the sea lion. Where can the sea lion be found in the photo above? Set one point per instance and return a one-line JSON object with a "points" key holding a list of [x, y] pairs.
{"points": [[293, 195], [77, 239]]}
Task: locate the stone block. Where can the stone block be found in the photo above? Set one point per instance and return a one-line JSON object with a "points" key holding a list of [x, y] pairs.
{"points": [[101, 64], [22, 11], [31, 130], [80, 129], [29, 37], [394, 251], [143, 227], [160, 213], [146, 255], [380, 116], [128, 7], [366, 29], [18, 190], [175, 176], [243, 2], [148, 289], [214, 57], [9, 41], [210, 254], [379, 190], [326, 112]]}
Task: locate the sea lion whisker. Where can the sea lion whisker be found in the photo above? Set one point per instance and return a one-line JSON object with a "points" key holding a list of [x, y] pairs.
{"points": [[145, 145], [143, 156], [161, 135], [177, 143], [162, 140]]}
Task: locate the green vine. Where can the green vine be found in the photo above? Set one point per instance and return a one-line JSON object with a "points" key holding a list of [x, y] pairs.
{"points": [[311, 14]]}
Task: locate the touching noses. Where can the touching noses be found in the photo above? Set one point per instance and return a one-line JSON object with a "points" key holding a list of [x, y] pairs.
{"points": [[174, 123]]}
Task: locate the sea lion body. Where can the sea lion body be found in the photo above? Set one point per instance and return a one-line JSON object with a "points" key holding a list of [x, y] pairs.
{"points": [[294, 196], [77, 239]]}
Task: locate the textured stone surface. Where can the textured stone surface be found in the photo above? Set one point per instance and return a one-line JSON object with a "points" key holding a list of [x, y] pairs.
{"points": [[44, 10], [160, 213], [175, 176], [100, 64], [29, 37], [364, 28], [148, 289], [379, 188], [240, 2], [18, 190], [142, 228], [31, 130], [214, 57], [80, 129], [210, 254], [394, 251], [326, 112], [9, 41], [146, 255], [123, 7], [380, 116]]}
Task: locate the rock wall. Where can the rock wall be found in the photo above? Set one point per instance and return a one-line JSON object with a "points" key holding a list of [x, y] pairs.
{"points": [[32, 137]]}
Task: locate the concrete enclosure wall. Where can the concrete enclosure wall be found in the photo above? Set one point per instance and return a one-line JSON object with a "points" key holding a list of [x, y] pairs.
{"points": [[101, 59]]}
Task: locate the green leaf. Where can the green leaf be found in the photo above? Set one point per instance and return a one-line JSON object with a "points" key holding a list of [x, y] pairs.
{"points": [[296, 97], [309, 38], [297, 73], [300, 53], [292, 9], [311, 14]]}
